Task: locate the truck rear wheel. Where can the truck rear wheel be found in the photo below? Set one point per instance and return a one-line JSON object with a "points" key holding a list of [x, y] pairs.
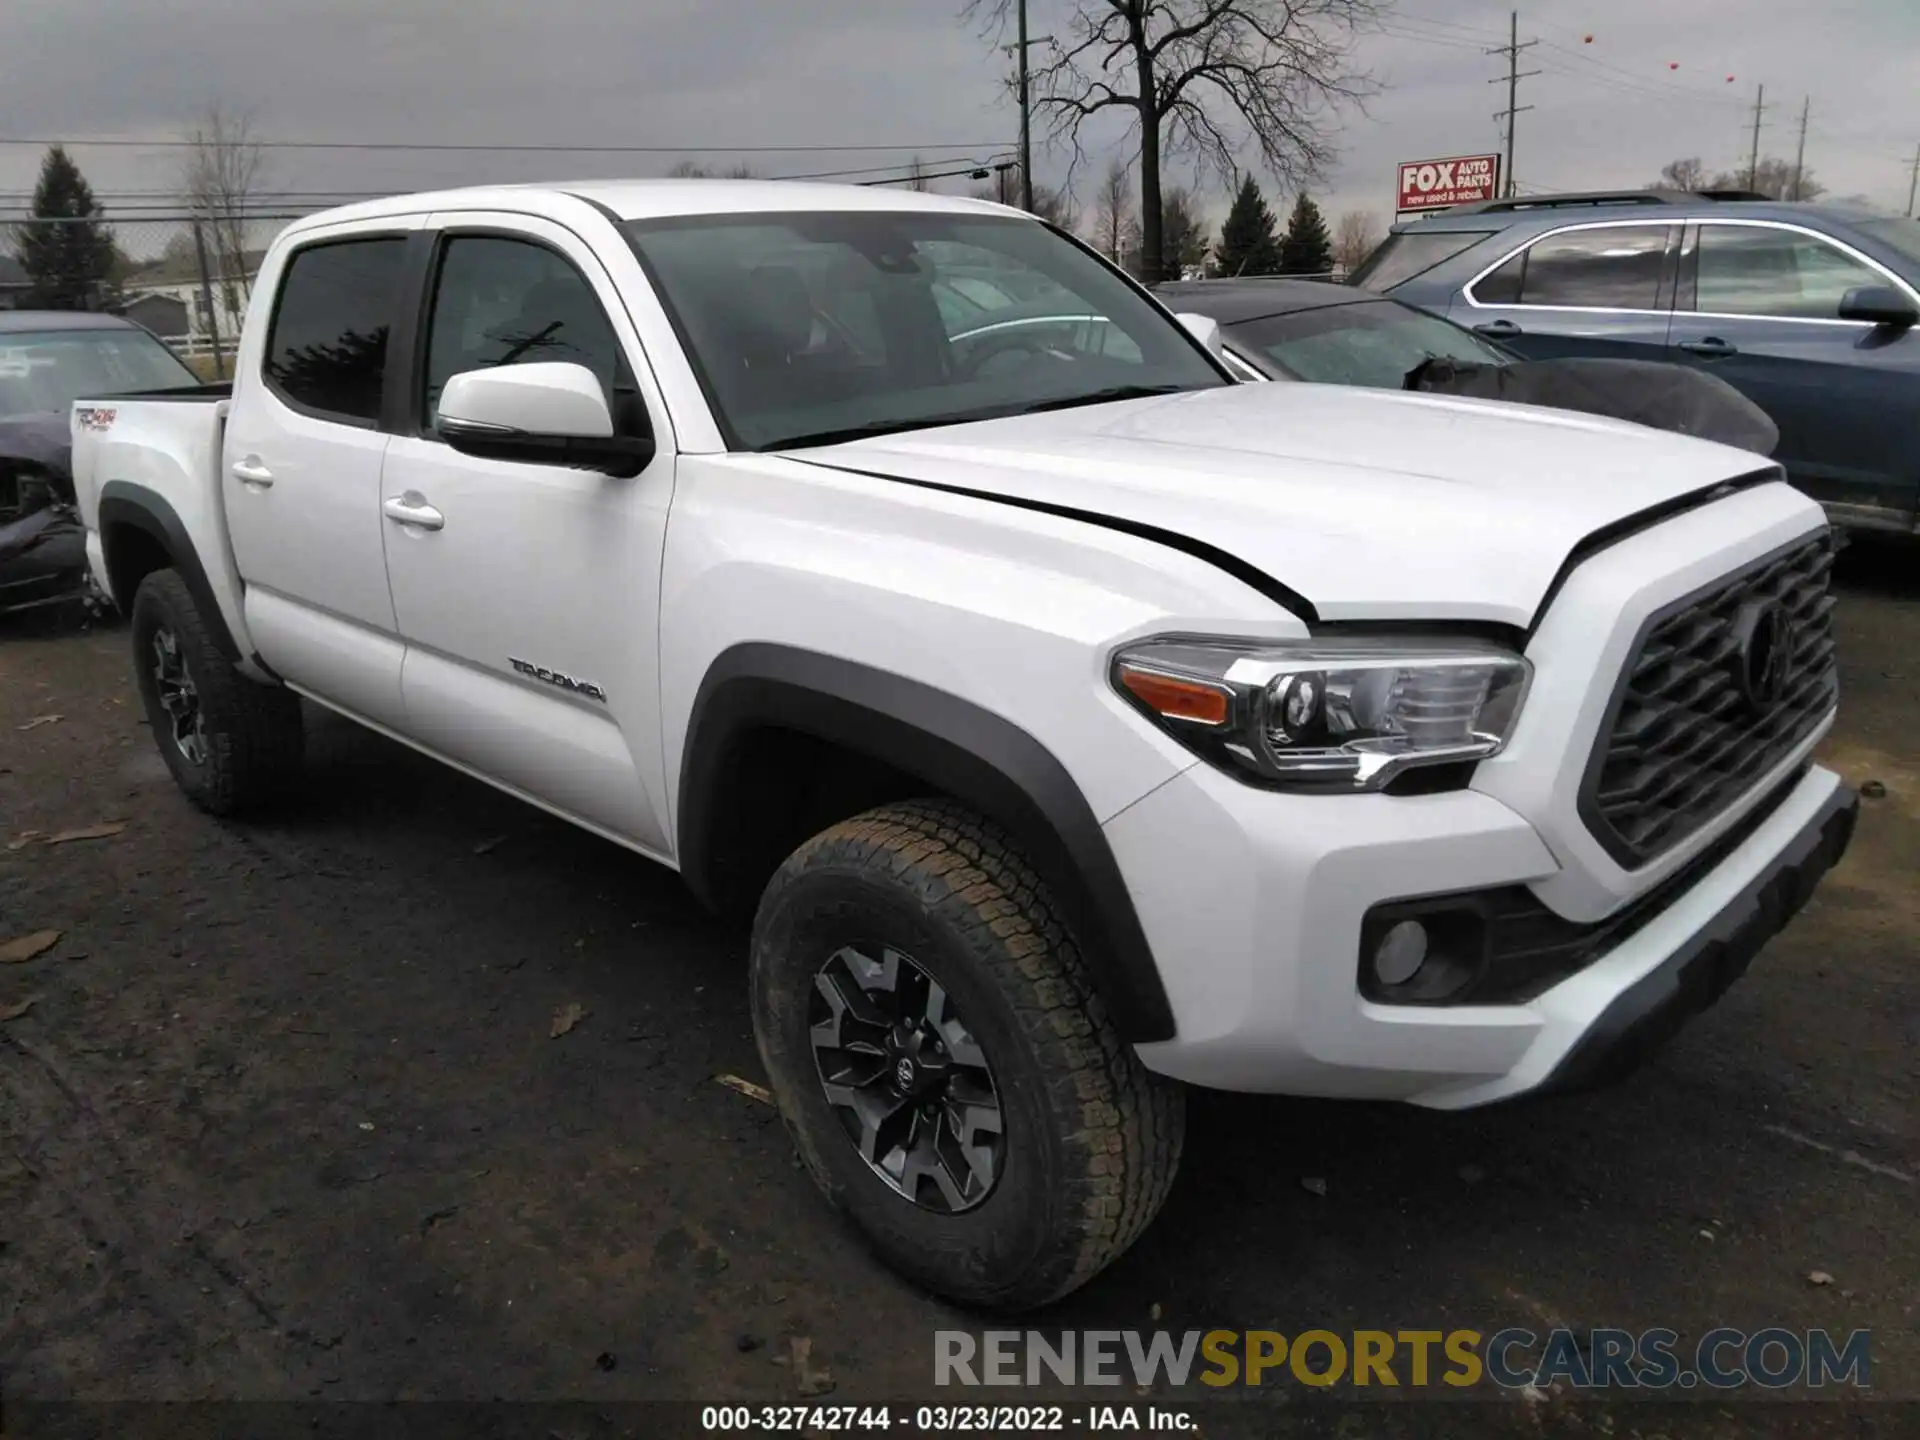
{"points": [[948, 1073], [231, 743]]}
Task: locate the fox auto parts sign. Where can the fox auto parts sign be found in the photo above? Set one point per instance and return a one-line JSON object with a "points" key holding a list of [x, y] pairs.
{"points": [[1437, 184]]}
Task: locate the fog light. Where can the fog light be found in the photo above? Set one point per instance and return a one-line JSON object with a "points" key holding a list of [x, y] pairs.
{"points": [[1400, 953]]}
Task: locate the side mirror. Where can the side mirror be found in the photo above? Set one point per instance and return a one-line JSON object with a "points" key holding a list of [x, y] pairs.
{"points": [[1206, 330], [550, 413], [1878, 305]]}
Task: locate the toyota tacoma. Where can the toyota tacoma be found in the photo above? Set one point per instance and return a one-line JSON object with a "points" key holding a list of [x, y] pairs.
{"points": [[1075, 724]]}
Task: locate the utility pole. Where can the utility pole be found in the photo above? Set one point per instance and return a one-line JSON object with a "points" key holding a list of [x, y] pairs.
{"points": [[1913, 181], [1800, 154], [1753, 162], [1026, 120], [1514, 76], [1023, 86]]}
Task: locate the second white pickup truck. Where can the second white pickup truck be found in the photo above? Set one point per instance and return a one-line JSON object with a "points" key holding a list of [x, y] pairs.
{"points": [[1080, 722]]}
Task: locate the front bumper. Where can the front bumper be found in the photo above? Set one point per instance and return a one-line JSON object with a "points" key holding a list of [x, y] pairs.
{"points": [[1646, 1015], [53, 572], [1254, 903]]}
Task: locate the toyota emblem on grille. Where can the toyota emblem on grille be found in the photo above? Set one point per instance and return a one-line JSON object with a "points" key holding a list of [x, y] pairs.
{"points": [[1762, 646]]}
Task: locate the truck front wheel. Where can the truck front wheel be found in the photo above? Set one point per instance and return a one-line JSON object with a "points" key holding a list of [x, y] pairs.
{"points": [[231, 743], [948, 1072]]}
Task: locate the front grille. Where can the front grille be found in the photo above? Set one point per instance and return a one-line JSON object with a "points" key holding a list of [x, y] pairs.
{"points": [[1689, 732]]}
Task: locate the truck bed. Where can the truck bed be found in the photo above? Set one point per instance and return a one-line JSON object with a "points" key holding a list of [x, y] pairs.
{"points": [[154, 459]]}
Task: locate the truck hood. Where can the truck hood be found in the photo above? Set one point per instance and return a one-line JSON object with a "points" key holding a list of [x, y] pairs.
{"points": [[1364, 504]]}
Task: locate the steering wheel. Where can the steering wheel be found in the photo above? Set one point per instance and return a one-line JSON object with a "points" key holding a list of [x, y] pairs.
{"points": [[1033, 345]]}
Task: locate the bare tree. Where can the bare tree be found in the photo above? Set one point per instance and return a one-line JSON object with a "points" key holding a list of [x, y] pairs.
{"points": [[1113, 212], [1054, 204], [1774, 178], [694, 170], [1203, 78], [225, 164], [1687, 174], [1355, 235]]}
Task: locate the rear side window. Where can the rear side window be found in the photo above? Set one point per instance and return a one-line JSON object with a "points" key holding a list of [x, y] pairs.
{"points": [[1403, 256], [1605, 269], [327, 350]]}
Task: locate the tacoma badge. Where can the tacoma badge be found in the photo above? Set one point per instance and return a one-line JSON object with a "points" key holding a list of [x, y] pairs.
{"points": [[555, 678]]}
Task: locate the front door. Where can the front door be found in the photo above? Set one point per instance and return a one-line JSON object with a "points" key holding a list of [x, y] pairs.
{"points": [[1600, 290], [528, 594], [1760, 308], [301, 473]]}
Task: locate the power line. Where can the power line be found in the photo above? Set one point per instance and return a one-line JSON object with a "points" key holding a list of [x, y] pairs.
{"points": [[121, 142], [1396, 32], [1515, 75]]}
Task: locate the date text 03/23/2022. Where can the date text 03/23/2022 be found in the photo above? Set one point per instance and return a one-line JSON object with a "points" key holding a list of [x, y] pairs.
{"points": [[945, 1419]]}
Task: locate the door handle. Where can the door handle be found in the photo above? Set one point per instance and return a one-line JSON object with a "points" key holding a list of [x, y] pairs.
{"points": [[250, 471], [1498, 329], [412, 509], [1711, 348]]}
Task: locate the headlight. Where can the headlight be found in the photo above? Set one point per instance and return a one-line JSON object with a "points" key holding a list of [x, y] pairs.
{"points": [[1338, 715]]}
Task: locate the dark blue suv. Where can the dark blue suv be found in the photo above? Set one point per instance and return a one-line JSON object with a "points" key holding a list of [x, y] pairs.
{"points": [[1811, 310]]}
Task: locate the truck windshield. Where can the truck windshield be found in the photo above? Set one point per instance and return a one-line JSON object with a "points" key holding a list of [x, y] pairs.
{"points": [[808, 328], [45, 371]]}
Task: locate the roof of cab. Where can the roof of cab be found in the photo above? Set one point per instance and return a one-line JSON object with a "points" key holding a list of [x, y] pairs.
{"points": [[15, 322], [649, 199]]}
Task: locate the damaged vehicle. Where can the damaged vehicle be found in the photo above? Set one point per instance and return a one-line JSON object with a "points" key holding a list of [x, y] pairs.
{"points": [[1076, 725], [48, 358], [1278, 329]]}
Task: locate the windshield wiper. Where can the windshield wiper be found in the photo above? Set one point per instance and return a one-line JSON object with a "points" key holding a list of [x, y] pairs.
{"points": [[967, 417], [1099, 397], [865, 432]]}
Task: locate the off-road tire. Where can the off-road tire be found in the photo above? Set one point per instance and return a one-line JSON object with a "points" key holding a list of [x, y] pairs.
{"points": [[1092, 1138], [253, 735]]}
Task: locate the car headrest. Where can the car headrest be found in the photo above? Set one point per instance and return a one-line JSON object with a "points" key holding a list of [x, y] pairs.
{"points": [[782, 307]]}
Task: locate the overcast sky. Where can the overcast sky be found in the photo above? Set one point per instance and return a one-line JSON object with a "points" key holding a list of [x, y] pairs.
{"points": [[681, 74]]}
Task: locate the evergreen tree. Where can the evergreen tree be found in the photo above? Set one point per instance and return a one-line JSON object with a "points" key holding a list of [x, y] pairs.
{"points": [[1248, 244], [70, 257], [1183, 233], [1306, 248]]}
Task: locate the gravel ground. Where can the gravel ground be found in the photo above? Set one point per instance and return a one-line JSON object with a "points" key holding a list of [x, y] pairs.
{"points": [[286, 1119]]}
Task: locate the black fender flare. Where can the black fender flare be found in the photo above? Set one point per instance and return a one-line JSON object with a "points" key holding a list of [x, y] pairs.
{"points": [[123, 503], [956, 747]]}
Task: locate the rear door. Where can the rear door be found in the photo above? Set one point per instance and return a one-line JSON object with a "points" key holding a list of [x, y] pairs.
{"points": [[529, 599], [1759, 306], [1602, 289], [301, 473]]}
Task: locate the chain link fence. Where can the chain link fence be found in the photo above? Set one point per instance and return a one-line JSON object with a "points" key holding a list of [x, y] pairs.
{"points": [[186, 278]]}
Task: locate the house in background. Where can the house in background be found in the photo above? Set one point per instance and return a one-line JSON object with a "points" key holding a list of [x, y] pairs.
{"points": [[170, 291], [163, 314]]}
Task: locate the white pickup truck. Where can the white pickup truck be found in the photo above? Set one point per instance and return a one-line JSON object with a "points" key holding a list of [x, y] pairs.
{"points": [[1081, 723]]}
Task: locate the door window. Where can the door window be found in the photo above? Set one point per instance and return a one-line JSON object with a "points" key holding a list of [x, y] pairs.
{"points": [[501, 301], [1783, 274], [1604, 269], [327, 348]]}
